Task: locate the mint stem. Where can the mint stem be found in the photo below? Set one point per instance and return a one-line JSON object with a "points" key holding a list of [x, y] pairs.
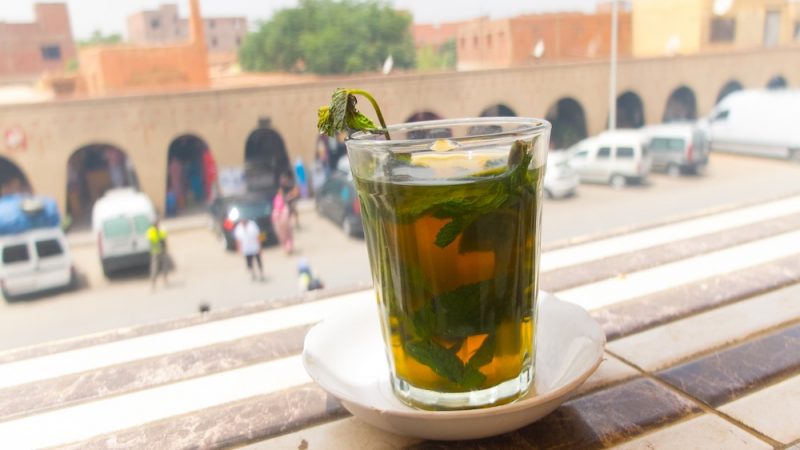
{"points": [[375, 107]]}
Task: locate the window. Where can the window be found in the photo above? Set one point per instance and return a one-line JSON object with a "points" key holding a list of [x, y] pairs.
{"points": [[772, 28], [604, 153], [213, 41], [118, 227], [155, 23], [625, 153], [797, 31], [489, 40], [141, 223], [51, 52], [722, 115], [211, 23], [475, 42], [48, 248], [666, 144], [15, 254], [463, 43], [581, 154], [723, 29], [238, 41]]}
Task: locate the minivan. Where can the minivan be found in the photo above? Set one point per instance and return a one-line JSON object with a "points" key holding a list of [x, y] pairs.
{"points": [[120, 220], [34, 261], [757, 122], [613, 157], [676, 148]]}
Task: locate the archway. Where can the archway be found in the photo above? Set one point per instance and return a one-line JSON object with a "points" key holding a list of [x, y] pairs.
{"points": [[681, 106], [569, 123], [191, 173], [729, 88], [777, 82], [630, 110], [91, 171], [498, 110], [12, 179], [434, 133], [266, 159]]}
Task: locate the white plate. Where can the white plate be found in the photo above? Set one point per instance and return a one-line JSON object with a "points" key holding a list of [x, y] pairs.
{"points": [[344, 354]]}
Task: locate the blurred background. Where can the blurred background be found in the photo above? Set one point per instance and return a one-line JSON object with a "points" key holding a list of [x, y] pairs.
{"points": [[199, 112]]}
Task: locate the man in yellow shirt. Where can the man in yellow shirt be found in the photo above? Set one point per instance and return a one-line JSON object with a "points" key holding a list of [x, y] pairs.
{"points": [[158, 252]]}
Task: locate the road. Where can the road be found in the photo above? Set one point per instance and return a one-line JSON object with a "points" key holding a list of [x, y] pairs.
{"points": [[206, 274]]}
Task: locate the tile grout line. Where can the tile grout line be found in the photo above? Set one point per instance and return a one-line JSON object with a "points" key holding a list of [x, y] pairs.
{"points": [[703, 406]]}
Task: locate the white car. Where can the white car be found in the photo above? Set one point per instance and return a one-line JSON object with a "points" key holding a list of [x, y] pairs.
{"points": [[34, 261], [616, 158], [560, 180]]}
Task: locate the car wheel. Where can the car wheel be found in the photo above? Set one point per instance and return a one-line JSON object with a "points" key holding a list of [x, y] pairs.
{"points": [[348, 229], [106, 270], [674, 171], [617, 181]]}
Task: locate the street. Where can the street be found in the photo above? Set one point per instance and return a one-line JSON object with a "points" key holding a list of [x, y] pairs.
{"points": [[207, 274]]}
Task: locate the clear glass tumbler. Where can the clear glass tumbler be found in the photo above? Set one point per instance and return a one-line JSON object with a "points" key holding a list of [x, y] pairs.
{"points": [[452, 212]]}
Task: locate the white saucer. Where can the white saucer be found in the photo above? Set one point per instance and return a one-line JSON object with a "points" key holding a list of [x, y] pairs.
{"points": [[344, 354]]}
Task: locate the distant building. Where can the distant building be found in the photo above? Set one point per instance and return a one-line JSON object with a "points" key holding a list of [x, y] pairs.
{"points": [[690, 26], [164, 26], [436, 35], [28, 49], [485, 44], [130, 69]]}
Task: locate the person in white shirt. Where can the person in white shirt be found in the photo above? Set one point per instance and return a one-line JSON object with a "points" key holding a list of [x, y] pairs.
{"points": [[248, 241]]}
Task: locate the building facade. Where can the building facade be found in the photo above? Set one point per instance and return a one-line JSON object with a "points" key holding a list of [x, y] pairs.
{"points": [[139, 69], [691, 26], [29, 49], [164, 26], [489, 44]]}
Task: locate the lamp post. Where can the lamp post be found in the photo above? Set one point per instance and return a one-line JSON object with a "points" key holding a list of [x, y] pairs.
{"points": [[612, 78]]}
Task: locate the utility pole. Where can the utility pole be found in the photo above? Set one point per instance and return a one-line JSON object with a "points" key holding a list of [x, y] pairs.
{"points": [[612, 79]]}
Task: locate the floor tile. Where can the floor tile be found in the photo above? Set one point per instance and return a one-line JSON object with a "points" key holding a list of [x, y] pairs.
{"points": [[701, 433], [772, 411]]}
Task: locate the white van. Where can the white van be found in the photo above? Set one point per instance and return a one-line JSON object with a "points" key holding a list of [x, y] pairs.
{"points": [[120, 220], [613, 157], [757, 122], [34, 261]]}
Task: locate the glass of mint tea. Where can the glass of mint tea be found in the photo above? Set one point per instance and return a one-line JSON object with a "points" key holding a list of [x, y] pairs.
{"points": [[452, 213]]}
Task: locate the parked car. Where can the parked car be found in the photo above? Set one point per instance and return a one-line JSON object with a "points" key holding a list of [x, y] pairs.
{"points": [[34, 256], [616, 158], [337, 200], [120, 219], [676, 148], [227, 212], [757, 122], [560, 180]]}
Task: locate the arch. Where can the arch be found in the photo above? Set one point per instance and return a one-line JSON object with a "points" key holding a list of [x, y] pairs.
{"points": [[91, 171], [434, 133], [13, 179], [191, 173], [569, 122], [265, 159], [681, 106], [729, 88], [498, 110], [777, 82], [630, 110]]}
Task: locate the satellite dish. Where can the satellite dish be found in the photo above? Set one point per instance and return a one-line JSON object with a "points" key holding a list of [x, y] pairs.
{"points": [[721, 7], [538, 49], [673, 45], [387, 65]]}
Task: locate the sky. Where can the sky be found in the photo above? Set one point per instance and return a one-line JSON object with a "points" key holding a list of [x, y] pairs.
{"points": [[109, 15]]}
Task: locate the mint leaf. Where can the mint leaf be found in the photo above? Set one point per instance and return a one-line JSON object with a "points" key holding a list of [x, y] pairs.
{"points": [[441, 361], [485, 353], [342, 114], [449, 232]]}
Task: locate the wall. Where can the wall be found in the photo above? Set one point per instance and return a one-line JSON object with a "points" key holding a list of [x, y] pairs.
{"points": [[144, 126]]}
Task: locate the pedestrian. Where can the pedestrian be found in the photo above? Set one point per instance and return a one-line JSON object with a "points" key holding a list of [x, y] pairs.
{"points": [[248, 240], [306, 280], [291, 195], [158, 253], [282, 222]]}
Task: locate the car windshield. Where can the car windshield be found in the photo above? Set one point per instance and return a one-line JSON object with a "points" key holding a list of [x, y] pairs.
{"points": [[666, 144], [252, 210], [118, 227], [141, 223]]}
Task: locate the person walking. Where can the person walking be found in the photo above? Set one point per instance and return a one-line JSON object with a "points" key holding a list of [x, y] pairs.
{"points": [[281, 222], [248, 241], [158, 253]]}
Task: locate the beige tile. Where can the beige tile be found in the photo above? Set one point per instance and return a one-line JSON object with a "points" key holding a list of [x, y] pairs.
{"points": [[774, 411], [665, 345], [610, 371], [344, 434], [701, 433], [794, 447]]}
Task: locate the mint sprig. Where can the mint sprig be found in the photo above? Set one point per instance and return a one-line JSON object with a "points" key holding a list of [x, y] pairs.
{"points": [[342, 114]]}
